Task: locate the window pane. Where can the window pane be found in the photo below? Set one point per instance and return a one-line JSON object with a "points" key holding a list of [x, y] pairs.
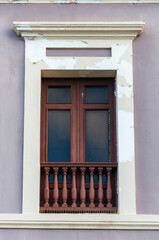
{"points": [[59, 94], [96, 94], [58, 136], [97, 135]]}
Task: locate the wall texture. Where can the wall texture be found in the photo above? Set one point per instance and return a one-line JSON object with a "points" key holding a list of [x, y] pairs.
{"points": [[146, 85], [76, 235]]}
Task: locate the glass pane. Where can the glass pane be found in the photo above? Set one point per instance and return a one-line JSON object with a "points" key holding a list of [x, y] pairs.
{"points": [[104, 178], [96, 94], [58, 136], [59, 94], [87, 178], [97, 135], [68, 177], [51, 178], [95, 178], [60, 177]]}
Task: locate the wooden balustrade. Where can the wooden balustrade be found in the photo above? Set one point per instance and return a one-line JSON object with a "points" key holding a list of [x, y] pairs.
{"points": [[76, 193], [91, 190], [46, 188], [83, 190], [100, 189], [64, 191], [109, 188], [74, 188], [56, 190]]}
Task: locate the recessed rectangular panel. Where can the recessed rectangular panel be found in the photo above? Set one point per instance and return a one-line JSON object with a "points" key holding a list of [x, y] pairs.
{"points": [[59, 136], [78, 52], [96, 94], [97, 136], [61, 94]]}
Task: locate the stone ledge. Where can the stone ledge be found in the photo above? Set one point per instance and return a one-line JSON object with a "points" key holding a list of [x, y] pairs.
{"points": [[79, 221]]}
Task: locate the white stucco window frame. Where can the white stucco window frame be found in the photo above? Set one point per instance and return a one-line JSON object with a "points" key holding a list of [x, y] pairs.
{"points": [[119, 37]]}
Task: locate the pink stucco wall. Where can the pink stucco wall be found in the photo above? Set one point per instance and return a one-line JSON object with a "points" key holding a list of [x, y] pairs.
{"points": [[146, 88], [77, 235]]}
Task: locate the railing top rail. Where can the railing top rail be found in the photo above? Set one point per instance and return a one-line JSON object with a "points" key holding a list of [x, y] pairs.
{"points": [[72, 164]]}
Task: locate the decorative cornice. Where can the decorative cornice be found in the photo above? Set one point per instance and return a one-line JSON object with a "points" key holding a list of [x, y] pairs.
{"points": [[79, 221], [32, 30], [79, 1]]}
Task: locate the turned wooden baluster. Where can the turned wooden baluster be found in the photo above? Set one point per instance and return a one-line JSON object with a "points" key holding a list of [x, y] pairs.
{"points": [[56, 190], [91, 190], [83, 190], [109, 189], [64, 191], [100, 189], [46, 188], [74, 190]]}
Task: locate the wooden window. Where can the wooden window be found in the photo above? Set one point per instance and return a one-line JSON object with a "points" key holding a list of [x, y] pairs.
{"points": [[78, 146]]}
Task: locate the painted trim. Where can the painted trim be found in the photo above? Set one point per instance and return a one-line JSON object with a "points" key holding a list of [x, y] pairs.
{"points": [[120, 65], [78, 1], [100, 30], [79, 221]]}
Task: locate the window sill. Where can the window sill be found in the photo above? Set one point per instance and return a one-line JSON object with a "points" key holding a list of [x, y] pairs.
{"points": [[79, 221]]}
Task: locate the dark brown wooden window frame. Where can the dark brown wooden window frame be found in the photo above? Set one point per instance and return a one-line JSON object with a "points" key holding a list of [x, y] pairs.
{"points": [[77, 107], [77, 153]]}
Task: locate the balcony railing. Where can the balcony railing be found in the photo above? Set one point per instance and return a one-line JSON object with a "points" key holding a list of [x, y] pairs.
{"points": [[78, 187]]}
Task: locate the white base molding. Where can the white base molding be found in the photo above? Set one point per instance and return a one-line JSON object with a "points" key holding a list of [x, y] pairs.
{"points": [[79, 221]]}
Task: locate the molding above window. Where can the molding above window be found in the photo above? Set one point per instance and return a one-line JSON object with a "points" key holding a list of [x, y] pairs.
{"points": [[106, 30], [79, 1], [79, 221]]}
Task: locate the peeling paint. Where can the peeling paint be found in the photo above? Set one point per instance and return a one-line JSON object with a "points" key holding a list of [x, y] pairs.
{"points": [[127, 91], [126, 136], [118, 51], [125, 104], [105, 63], [126, 71], [60, 63]]}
